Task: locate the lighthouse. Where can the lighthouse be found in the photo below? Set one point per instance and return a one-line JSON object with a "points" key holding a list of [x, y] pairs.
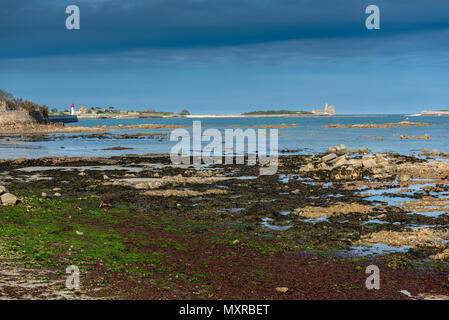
{"points": [[72, 108]]}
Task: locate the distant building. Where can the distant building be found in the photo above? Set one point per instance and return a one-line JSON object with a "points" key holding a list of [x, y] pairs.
{"points": [[435, 113], [329, 110]]}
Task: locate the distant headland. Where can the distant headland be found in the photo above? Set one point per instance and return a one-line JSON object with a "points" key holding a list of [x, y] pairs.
{"points": [[115, 113], [433, 113]]}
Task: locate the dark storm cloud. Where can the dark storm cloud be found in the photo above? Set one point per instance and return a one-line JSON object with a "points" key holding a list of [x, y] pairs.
{"points": [[30, 28]]}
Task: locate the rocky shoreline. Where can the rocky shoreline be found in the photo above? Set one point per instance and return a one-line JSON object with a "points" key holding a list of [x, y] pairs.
{"points": [[139, 227], [60, 128]]}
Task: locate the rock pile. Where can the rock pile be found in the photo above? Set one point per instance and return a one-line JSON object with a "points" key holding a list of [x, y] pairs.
{"points": [[337, 158]]}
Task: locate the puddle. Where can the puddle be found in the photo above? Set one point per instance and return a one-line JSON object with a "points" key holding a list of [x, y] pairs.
{"points": [[82, 168], [433, 214], [320, 219], [265, 223], [378, 248], [377, 221]]}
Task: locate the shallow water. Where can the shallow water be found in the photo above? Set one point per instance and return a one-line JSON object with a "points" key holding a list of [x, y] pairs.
{"points": [[307, 137], [378, 248]]}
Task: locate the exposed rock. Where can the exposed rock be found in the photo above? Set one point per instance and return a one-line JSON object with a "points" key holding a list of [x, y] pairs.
{"points": [[339, 208], [182, 193], [441, 256], [341, 150], [355, 163], [426, 170], [328, 157], [399, 239], [3, 189], [404, 124], [282, 289], [8, 199], [424, 137], [338, 150], [340, 162], [363, 150], [142, 186], [369, 163], [307, 168]]}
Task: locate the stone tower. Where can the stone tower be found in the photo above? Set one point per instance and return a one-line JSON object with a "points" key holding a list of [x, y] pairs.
{"points": [[330, 110]]}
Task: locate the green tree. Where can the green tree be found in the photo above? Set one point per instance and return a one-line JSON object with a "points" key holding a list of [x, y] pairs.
{"points": [[185, 112]]}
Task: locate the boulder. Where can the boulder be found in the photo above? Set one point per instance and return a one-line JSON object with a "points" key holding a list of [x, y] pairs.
{"points": [[341, 161], [328, 157], [363, 150], [3, 189], [340, 150], [282, 289], [369, 163], [8, 199], [355, 163]]}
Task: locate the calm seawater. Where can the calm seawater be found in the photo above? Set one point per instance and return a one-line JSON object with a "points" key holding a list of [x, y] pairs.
{"points": [[308, 136]]}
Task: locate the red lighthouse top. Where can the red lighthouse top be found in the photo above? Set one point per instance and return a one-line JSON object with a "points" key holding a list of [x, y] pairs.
{"points": [[72, 106]]}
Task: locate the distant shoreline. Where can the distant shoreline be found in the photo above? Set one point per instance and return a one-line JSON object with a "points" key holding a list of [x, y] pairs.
{"points": [[286, 116], [217, 116], [205, 116]]}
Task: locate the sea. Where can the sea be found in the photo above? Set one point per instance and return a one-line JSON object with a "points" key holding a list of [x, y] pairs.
{"points": [[307, 137]]}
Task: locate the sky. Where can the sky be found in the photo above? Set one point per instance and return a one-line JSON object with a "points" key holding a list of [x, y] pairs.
{"points": [[228, 56]]}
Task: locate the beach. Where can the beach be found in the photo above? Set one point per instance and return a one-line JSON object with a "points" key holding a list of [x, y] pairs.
{"points": [[140, 227]]}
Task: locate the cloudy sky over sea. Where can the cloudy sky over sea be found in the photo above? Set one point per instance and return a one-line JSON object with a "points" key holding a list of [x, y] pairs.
{"points": [[228, 56]]}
